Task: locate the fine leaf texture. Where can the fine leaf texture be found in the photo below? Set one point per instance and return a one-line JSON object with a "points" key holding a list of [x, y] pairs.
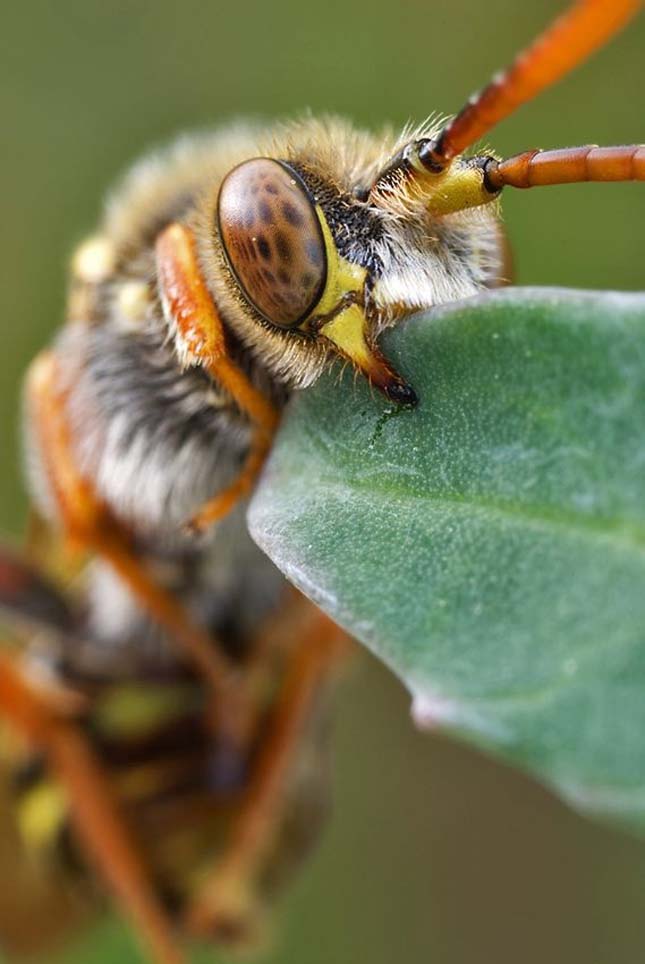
{"points": [[489, 545]]}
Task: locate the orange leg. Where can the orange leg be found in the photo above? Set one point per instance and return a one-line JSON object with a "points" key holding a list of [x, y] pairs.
{"points": [[226, 901], [95, 812], [199, 332], [191, 312], [221, 504], [90, 525]]}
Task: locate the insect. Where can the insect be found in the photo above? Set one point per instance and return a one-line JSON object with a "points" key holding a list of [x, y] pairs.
{"points": [[172, 694]]}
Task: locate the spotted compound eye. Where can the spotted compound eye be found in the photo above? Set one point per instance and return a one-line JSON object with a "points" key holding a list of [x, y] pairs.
{"points": [[273, 240]]}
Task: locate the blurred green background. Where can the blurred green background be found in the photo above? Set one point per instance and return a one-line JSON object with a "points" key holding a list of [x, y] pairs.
{"points": [[435, 853]]}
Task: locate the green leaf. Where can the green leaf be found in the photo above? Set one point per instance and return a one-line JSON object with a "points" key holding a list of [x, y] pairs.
{"points": [[489, 545]]}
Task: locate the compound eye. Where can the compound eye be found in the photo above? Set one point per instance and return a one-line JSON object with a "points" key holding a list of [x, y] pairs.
{"points": [[273, 240]]}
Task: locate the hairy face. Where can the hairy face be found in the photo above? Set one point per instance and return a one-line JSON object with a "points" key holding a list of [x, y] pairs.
{"points": [[307, 265]]}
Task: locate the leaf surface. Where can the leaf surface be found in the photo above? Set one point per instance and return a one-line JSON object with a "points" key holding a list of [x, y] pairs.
{"points": [[489, 545]]}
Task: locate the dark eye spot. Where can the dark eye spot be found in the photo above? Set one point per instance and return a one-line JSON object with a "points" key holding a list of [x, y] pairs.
{"points": [[271, 188], [282, 246], [265, 212], [307, 279], [292, 215], [268, 275], [264, 247], [314, 252], [283, 276]]}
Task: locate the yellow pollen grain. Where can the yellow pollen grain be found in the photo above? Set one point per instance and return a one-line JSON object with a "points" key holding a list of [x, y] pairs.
{"points": [[132, 304], [95, 260]]}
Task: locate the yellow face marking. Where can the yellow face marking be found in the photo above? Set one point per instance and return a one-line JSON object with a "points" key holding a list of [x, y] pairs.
{"points": [[343, 277], [347, 328], [458, 187], [347, 332]]}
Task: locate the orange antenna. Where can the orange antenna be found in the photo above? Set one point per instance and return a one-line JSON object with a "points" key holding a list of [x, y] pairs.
{"points": [[567, 165], [569, 41], [435, 168]]}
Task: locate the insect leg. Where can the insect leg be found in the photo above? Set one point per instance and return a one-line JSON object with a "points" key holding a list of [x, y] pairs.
{"points": [[219, 506], [226, 903], [191, 313], [90, 524], [95, 812]]}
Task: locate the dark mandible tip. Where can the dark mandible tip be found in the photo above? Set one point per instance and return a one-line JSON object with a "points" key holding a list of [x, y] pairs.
{"points": [[402, 394]]}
